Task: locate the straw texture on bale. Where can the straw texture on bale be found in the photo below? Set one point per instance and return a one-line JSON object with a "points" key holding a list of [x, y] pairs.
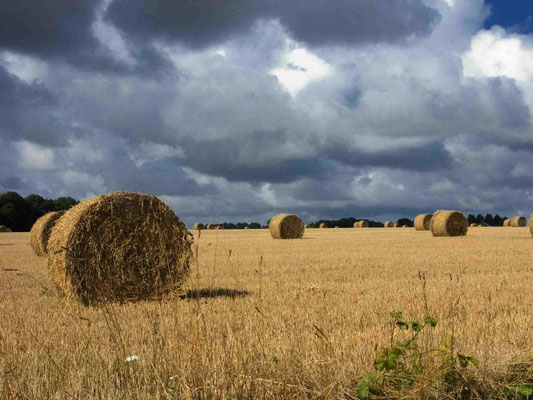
{"points": [[119, 247], [361, 224], [246, 227], [286, 226], [474, 225], [506, 222], [4, 229], [389, 224], [405, 226], [219, 227], [518, 222], [323, 225], [199, 226], [422, 222], [41, 230], [396, 225], [210, 227], [531, 224], [449, 223]]}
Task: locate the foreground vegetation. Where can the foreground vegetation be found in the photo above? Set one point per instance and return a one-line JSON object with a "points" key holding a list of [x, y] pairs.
{"points": [[295, 319]]}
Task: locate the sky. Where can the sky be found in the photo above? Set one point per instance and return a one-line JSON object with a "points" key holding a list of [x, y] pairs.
{"points": [[235, 111]]}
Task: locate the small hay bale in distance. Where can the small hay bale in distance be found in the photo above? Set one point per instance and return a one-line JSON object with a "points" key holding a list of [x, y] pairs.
{"points": [[518, 222], [199, 226], [246, 227], [286, 226], [4, 229], [405, 226], [448, 223], [396, 225], [388, 224], [323, 225], [506, 222], [119, 247], [41, 230], [210, 227], [531, 224], [363, 224], [474, 225], [422, 222], [219, 227]]}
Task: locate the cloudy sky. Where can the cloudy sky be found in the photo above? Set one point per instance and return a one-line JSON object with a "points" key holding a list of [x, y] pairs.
{"points": [[234, 110]]}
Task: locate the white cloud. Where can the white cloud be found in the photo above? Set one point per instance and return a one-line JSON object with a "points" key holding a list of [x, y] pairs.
{"points": [[299, 67], [29, 69], [497, 53], [35, 157]]}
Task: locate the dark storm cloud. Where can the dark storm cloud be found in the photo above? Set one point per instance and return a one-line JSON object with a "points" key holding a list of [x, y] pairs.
{"points": [[200, 23], [422, 158], [47, 27], [27, 110]]}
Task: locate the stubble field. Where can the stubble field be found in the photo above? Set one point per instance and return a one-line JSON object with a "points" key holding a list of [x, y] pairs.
{"points": [[276, 319]]}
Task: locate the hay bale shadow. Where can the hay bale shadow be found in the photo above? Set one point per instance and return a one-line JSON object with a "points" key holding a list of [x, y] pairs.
{"points": [[213, 293]]}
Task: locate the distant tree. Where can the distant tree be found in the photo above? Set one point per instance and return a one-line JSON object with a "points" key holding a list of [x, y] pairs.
{"points": [[498, 221], [480, 219], [405, 221], [471, 219], [489, 220], [254, 225]]}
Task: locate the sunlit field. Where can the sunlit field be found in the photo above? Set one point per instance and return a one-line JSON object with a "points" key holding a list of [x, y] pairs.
{"points": [[276, 319]]}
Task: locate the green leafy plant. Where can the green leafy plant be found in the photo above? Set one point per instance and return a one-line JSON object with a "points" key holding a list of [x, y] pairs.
{"points": [[400, 365]]}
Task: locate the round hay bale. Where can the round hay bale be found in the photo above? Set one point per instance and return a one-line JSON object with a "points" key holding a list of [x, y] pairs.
{"points": [[506, 222], [473, 224], [388, 224], [199, 226], [449, 223], [363, 224], [336, 227], [246, 227], [531, 224], [405, 226], [118, 247], [286, 226], [219, 227], [518, 222], [323, 225], [210, 227], [4, 229], [41, 230], [422, 222], [396, 225]]}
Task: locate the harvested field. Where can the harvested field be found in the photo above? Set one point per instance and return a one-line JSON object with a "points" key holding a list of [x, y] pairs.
{"points": [[256, 321]]}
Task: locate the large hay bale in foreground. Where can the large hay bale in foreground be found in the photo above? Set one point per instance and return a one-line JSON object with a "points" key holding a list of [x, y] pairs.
{"points": [[323, 225], [518, 222], [388, 224], [117, 247], [41, 230], [506, 222], [199, 226], [448, 223], [422, 222], [286, 226], [4, 229]]}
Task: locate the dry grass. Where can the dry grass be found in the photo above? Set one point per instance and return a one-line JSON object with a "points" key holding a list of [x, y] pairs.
{"points": [[257, 319]]}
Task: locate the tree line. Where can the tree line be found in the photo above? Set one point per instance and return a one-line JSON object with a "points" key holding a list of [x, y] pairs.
{"points": [[20, 213]]}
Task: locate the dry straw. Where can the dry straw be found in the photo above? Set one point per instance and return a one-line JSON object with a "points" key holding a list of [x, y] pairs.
{"points": [[286, 226], [389, 224], [41, 230], [118, 247], [4, 229], [405, 226], [531, 224], [422, 222], [506, 222], [210, 227], [518, 222], [448, 223], [323, 225], [474, 225], [246, 227], [199, 226], [396, 225], [361, 224]]}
